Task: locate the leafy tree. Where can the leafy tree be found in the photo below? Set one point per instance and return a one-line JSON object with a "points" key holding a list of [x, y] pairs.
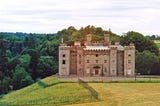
{"points": [[155, 69], [5, 85], [145, 61], [33, 63], [24, 60], [30, 41], [21, 78], [3, 57], [47, 66], [141, 43]]}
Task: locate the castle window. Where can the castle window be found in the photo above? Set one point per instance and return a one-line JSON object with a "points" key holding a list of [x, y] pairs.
{"points": [[105, 61], [129, 61], [63, 62], [96, 55], [96, 61], [79, 56], [80, 62], [129, 55], [63, 55], [87, 61]]}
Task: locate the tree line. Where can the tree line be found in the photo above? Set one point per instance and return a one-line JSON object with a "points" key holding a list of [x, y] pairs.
{"points": [[24, 57]]}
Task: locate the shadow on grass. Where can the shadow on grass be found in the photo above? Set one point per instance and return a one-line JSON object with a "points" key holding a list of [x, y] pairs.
{"points": [[45, 85], [93, 92]]}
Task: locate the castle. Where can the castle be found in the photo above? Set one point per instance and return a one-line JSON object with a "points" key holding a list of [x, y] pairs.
{"points": [[95, 59]]}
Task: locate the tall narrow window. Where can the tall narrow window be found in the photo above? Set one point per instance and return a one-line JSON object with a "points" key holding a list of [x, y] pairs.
{"points": [[105, 61], [64, 55], [63, 62], [87, 61], [96, 61], [129, 61]]}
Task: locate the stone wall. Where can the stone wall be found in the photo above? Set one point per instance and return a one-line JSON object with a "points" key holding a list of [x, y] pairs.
{"points": [[129, 61], [64, 60], [113, 61]]}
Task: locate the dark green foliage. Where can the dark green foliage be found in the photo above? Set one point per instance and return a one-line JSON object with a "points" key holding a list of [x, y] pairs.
{"points": [[47, 66], [155, 69], [141, 43], [5, 85], [145, 61], [33, 63], [21, 78]]}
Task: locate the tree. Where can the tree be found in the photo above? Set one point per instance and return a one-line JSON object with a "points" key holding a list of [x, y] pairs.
{"points": [[141, 43], [3, 57], [5, 85], [24, 60], [21, 78], [155, 69], [47, 66], [33, 63], [30, 41], [145, 61]]}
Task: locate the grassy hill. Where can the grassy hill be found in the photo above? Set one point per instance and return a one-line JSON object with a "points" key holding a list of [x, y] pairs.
{"points": [[51, 92]]}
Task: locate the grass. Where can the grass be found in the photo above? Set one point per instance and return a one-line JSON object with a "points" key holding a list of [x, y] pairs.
{"points": [[126, 94], [51, 92], [55, 93]]}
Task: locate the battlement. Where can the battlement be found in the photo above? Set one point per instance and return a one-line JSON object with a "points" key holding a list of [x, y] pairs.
{"points": [[113, 48], [64, 47]]}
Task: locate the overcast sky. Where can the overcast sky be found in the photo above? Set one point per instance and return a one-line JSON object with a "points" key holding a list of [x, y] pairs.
{"points": [[50, 16]]}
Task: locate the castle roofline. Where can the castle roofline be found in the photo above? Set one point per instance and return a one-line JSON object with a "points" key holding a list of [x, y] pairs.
{"points": [[96, 48]]}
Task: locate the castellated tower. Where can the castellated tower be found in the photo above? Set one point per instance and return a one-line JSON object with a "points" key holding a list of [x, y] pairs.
{"points": [[64, 60], [129, 60]]}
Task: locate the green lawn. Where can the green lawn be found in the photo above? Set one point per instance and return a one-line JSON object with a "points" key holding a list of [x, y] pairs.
{"points": [[126, 94], [54, 93], [109, 94]]}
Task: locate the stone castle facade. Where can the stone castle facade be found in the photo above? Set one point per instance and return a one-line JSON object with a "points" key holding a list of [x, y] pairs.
{"points": [[96, 59]]}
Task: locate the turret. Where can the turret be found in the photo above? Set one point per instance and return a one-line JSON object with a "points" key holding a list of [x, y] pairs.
{"points": [[64, 60], [129, 60]]}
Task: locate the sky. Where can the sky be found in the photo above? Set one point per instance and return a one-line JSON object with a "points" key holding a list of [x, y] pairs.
{"points": [[50, 16]]}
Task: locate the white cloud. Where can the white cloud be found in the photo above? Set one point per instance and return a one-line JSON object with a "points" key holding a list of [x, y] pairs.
{"points": [[52, 15]]}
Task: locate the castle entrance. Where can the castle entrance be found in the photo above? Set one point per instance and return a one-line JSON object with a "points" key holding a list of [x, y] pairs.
{"points": [[96, 70]]}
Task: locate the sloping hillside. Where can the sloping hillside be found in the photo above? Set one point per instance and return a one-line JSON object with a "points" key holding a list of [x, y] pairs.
{"points": [[51, 92], [48, 91]]}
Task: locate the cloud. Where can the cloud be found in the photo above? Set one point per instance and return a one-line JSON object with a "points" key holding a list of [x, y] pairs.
{"points": [[53, 15]]}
